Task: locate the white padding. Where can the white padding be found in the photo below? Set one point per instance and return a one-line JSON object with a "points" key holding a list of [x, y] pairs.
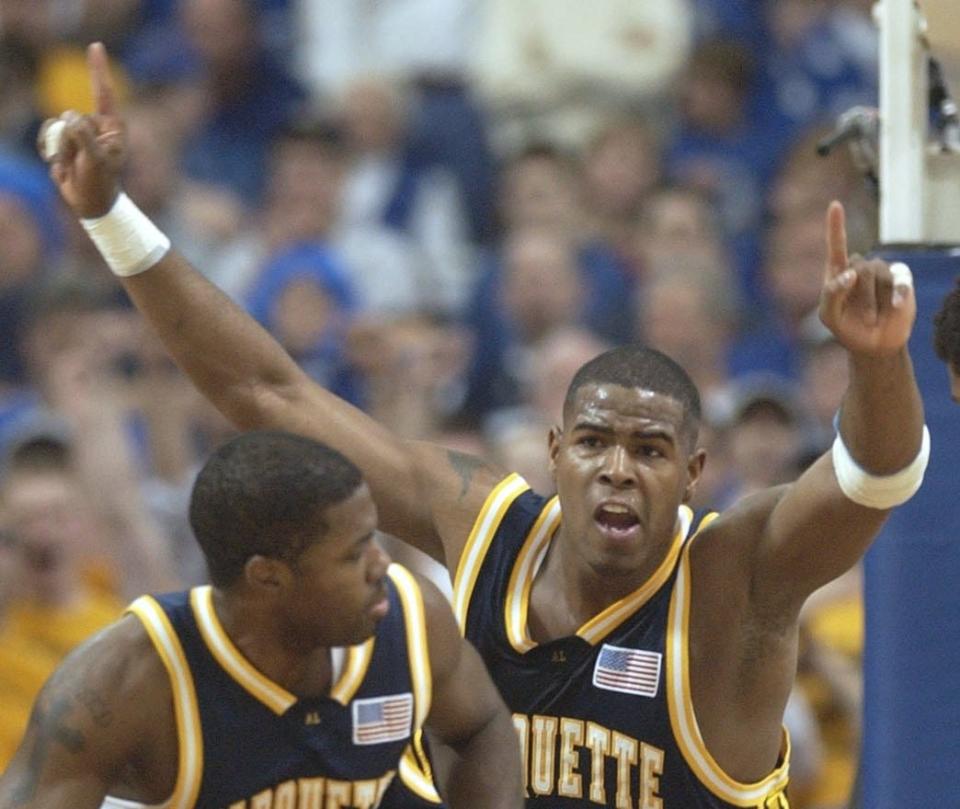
{"points": [[879, 491], [126, 238]]}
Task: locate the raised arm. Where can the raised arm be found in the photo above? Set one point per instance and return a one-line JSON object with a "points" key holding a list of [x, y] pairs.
{"points": [[813, 530], [425, 495], [89, 724], [477, 760]]}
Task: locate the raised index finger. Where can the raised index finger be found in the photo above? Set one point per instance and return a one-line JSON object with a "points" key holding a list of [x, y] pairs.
{"points": [[100, 79], [837, 259]]}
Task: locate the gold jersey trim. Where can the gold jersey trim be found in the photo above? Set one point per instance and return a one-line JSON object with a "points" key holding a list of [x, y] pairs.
{"points": [[531, 556], [481, 535], [254, 682], [683, 719], [521, 577], [416, 775], [355, 669], [231, 659], [187, 713], [418, 650], [602, 624]]}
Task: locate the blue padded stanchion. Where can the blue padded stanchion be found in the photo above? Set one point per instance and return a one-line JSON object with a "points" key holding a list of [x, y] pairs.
{"points": [[911, 739]]}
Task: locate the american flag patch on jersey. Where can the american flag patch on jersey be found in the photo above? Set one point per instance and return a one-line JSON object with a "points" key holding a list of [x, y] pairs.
{"points": [[630, 671], [382, 719]]}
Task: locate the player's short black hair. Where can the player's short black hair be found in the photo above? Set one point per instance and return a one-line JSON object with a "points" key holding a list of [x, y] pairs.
{"points": [[638, 366], [946, 329], [265, 492]]}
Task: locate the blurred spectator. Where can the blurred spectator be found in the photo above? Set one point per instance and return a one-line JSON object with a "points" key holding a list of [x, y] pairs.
{"points": [[721, 149], [412, 367], [765, 433], [808, 181], [304, 205], [58, 598], [24, 664], [31, 235], [821, 59], [517, 437], [82, 353], [621, 165], [423, 49], [792, 273], [305, 300], [550, 70], [824, 379], [251, 96], [539, 203], [386, 185], [538, 289], [20, 116], [689, 309], [735, 20], [556, 359], [678, 223]]}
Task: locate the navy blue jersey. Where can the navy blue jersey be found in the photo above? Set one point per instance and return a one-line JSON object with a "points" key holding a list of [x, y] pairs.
{"points": [[604, 716], [247, 743]]}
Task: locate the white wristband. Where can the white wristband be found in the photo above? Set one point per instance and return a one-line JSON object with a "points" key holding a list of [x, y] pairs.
{"points": [[879, 491], [128, 241]]}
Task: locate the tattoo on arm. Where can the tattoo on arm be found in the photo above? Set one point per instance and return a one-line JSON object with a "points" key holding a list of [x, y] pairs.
{"points": [[50, 725], [465, 466]]}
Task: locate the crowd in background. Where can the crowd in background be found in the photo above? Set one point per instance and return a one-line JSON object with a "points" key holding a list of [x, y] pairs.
{"points": [[441, 208]]}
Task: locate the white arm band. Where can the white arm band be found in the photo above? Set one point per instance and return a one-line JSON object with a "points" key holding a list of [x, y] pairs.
{"points": [[879, 491], [128, 241]]}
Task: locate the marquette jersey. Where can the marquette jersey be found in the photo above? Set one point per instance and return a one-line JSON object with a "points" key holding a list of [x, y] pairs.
{"points": [[247, 743], [604, 716]]}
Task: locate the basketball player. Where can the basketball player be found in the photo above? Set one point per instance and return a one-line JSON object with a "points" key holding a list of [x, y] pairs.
{"points": [[946, 338], [646, 652], [296, 680]]}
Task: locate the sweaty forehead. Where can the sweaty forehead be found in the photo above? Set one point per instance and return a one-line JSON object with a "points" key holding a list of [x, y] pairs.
{"points": [[608, 403]]}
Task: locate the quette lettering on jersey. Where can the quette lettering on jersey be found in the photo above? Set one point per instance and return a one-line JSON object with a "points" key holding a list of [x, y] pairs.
{"points": [[551, 748], [320, 793]]}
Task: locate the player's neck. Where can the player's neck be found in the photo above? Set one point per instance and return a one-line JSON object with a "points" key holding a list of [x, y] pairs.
{"points": [[299, 669], [568, 591]]}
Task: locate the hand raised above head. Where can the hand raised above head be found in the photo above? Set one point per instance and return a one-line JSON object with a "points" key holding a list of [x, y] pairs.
{"points": [[86, 153], [867, 304]]}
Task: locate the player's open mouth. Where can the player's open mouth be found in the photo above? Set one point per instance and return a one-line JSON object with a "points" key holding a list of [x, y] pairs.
{"points": [[617, 521]]}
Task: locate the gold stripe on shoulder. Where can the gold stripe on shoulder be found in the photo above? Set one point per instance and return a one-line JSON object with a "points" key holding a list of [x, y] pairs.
{"points": [[186, 711], [417, 648], [598, 627], [254, 682], [683, 720], [522, 575], [481, 535]]}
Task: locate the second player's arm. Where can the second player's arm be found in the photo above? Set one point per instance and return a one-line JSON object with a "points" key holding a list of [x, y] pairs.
{"points": [[422, 491], [475, 752]]}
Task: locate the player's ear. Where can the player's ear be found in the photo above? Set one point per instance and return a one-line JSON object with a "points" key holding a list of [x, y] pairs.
{"points": [[695, 464], [266, 574], [553, 448]]}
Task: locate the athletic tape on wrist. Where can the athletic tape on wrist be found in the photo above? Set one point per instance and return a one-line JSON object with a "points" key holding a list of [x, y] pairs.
{"points": [[879, 491], [126, 238]]}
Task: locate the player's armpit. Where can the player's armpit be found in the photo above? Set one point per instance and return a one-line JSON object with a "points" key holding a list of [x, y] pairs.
{"points": [[84, 728], [469, 719]]}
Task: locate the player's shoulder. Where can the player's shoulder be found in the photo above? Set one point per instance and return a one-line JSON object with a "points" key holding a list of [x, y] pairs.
{"points": [[121, 655], [110, 690]]}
